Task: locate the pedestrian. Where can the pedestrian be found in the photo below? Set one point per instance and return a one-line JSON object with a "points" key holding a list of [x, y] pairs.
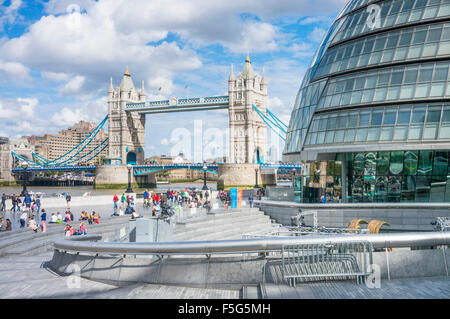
{"points": [[68, 199], [14, 203], [3, 208], [27, 200], [38, 203], [59, 218], [250, 200], [115, 200], [123, 199], [23, 219], [43, 221]]}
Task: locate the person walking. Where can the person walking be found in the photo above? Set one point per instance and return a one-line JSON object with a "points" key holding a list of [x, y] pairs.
{"points": [[3, 209], [23, 219], [68, 199], [115, 200], [14, 203], [38, 203], [27, 201], [123, 199], [250, 200], [43, 221]]}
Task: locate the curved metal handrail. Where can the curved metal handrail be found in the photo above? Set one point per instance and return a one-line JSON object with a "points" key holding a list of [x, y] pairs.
{"points": [[412, 239]]}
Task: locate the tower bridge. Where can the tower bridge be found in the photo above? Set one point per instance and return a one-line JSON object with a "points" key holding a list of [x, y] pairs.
{"points": [[248, 116]]}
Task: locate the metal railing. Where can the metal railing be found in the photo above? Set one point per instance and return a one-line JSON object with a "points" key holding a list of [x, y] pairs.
{"points": [[290, 231], [333, 261], [259, 245]]}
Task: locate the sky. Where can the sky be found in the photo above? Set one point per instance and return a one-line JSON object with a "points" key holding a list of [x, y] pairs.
{"points": [[57, 57]]}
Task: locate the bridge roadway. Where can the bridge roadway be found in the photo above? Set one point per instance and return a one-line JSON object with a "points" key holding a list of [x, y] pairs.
{"points": [[142, 169]]}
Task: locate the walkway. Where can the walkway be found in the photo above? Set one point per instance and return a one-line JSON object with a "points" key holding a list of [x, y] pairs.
{"points": [[409, 288]]}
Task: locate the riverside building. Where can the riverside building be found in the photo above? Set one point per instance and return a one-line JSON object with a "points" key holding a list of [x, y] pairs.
{"points": [[371, 120]]}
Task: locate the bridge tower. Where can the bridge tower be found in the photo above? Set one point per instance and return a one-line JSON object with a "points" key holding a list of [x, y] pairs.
{"points": [[248, 132], [126, 130]]}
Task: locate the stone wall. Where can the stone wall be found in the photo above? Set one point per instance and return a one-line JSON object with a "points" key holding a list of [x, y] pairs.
{"points": [[243, 175], [116, 176]]}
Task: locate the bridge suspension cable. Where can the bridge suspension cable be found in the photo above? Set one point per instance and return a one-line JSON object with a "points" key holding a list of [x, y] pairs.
{"points": [[67, 157], [272, 123]]}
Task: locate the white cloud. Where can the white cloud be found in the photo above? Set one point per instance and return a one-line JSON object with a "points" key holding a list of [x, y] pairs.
{"points": [[10, 14], [317, 35], [74, 85], [67, 117], [15, 71], [165, 141], [55, 76], [315, 19]]}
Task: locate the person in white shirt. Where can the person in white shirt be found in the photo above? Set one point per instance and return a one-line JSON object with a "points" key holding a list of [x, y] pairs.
{"points": [[23, 219], [53, 219], [121, 211], [58, 216]]}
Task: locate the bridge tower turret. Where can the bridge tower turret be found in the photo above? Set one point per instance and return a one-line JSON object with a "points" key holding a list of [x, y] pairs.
{"points": [[126, 130], [248, 132]]}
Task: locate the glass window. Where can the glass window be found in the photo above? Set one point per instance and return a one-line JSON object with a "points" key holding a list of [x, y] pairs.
{"points": [[411, 158], [331, 123], [373, 134], [349, 136], [446, 114], [405, 39], [396, 164], [339, 136], [415, 133], [419, 37], [397, 77], [380, 42], [401, 132], [352, 120], [387, 133], [411, 75], [389, 118], [434, 35], [425, 74], [434, 115], [361, 135], [403, 117], [383, 163], [371, 81], [444, 131], [430, 132], [342, 121], [418, 115], [364, 119], [440, 163], [377, 118], [425, 163], [323, 124], [329, 137]]}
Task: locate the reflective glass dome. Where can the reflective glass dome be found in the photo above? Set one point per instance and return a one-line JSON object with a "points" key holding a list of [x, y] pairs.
{"points": [[380, 77]]}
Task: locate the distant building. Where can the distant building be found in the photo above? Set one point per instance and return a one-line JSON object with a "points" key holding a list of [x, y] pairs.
{"points": [[53, 146]]}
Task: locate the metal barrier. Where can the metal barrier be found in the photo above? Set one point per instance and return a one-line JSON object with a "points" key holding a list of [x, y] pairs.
{"points": [[290, 231], [333, 261]]}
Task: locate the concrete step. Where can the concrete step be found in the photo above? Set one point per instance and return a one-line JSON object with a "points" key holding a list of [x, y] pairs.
{"points": [[229, 233], [217, 217], [58, 229], [238, 224], [214, 220], [42, 244], [250, 292]]}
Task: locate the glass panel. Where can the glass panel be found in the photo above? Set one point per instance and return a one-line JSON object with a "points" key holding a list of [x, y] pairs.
{"points": [[389, 118], [430, 132], [425, 163], [377, 118], [374, 134], [440, 163], [396, 165], [444, 131], [415, 133], [339, 136], [418, 115], [411, 159], [403, 117], [361, 135], [370, 164], [349, 136], [401, 132], [383, 163], [434, 115], [387, 133], [364, 119]]}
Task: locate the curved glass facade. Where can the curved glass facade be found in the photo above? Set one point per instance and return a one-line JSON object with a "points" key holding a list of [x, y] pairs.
{"points": [[378, 84]]}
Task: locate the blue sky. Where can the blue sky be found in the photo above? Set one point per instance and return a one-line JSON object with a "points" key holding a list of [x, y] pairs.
{"points": [[56, 57]]}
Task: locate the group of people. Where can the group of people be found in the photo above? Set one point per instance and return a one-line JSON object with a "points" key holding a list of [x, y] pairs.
{"points": [[70, 231], [19, 205]]}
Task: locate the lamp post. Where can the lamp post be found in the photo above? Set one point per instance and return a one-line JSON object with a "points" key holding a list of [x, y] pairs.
{"points": [[129, 189], [256, 175], [293, 177], [205, 188], [24, 165]]}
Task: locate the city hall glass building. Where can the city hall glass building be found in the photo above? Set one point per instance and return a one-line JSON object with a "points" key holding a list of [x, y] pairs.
{"points": [[372, 116]]}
